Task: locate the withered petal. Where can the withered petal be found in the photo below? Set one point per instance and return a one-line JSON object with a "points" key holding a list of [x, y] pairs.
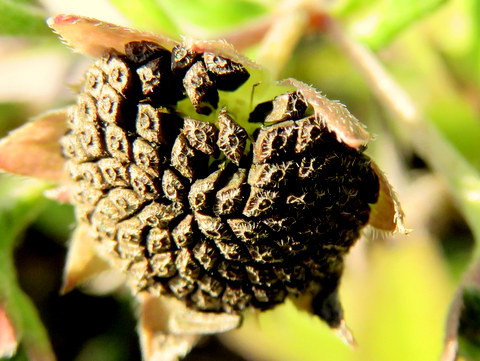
{"points": [[96, 38], [8, 339], [334, 115], [83, 262], [61, 194], [387, 213], [34, 150]]}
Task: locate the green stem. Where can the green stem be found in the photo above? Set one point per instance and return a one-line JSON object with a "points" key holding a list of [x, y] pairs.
{"points": [[20, 205]]}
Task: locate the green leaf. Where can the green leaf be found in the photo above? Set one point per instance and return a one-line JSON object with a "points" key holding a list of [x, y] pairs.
{"points": [[376, 23], [21, 19]]}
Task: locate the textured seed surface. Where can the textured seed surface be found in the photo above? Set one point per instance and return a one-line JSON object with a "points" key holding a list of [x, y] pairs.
{"points": [[201, 210]]}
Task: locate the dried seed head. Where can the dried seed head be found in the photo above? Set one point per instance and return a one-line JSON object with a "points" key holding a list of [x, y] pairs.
{"points": [[220, 218]]}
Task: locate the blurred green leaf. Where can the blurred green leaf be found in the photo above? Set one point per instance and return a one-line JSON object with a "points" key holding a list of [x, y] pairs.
{"points": [[212, 15], [12, 115], [148, 15], [21, 19], [449, 140], [176, 17], [57, 221], [376, 23]]}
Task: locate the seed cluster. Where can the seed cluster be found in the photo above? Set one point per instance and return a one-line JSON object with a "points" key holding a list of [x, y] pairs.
{"points": [[203, 211]]}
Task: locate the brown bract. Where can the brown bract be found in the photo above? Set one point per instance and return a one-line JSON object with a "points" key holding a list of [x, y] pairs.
{"points": [[167, 328]]}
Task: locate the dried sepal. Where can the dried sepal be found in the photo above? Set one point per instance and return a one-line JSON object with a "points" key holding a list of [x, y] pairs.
{"points": [[158, 343], [83, 262], [203, 323], [334, 115], [339, 326], [168, 330], [33, 149], [386, 214], [97, 38]]}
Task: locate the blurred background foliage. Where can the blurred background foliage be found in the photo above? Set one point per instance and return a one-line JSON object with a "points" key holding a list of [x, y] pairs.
{"points": [[397, 290]]}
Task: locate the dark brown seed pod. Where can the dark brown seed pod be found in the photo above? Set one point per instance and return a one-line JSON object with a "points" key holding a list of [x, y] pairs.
{"points": [[187, 266], [288, 106], [261, 202], [184, 233], [159, 240], [201, 135], [184, 158], [310, 134], [231, 251], [159, 214], [228, 270], [202, 192], [200, 89], [228, 74], [229, 199], [274, 141], [270, 175], [156, 124], [95, 79], [163, 264], [114, 172], [141, 52], [85, 111], [258, 274], [265, 253], [212, 227], [119, 74], [154, 77], [90, 139], [207, 255], [91, 175], [173, 187], [190, 211], [210, 285], [144, 184], [110, 105], [182, 59], [232, 138], [235, 299], [248, 231], [117, 143], [181, 287], [148, 157]]}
